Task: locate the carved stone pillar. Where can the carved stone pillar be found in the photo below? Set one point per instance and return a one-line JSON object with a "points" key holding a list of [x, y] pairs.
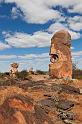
{"points": [[60, 55]]}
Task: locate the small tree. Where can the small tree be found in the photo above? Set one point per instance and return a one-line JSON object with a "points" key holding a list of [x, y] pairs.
{"points": [[74, 67], [77, 73]]}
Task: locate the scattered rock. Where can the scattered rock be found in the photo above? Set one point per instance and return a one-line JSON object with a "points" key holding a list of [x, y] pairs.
{"points": [[41, 105], [64, 104], [67, 115], [66, 121]]}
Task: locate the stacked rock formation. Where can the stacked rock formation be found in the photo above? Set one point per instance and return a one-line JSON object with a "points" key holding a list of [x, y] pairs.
{"points": [[60, 55]]}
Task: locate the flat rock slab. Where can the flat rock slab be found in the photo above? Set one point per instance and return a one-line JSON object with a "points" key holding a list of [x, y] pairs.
{"points": [[65, 88], [61, 104], [64, 104]]}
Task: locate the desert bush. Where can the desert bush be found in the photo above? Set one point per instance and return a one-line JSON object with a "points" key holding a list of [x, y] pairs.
{"points": [[5, 74], [22, 75], [41, 72], [77, 74], [1, 75]]}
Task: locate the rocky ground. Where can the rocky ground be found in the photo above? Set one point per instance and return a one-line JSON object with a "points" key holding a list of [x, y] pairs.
{"points": [[40, 100]]}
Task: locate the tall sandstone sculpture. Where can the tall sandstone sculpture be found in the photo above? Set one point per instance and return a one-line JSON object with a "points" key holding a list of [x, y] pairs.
{"points": [[60, 55]]}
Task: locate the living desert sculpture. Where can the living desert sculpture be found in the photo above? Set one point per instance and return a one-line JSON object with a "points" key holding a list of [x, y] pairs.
{"points": [[60, 55], [14, 69]]}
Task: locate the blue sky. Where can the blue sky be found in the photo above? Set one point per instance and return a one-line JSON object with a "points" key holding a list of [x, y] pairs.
{"points": [[26, 28]]}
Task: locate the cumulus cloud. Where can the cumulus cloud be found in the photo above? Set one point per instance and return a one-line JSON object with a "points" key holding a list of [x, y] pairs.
{"points": [[41, 11], [25, 57], [41, 56], [6, 57], [58, 26], [36, 11], [37, 61], [75, 23], [3, 46], [77, 54], [75, 19], [74, 35], [24, 40], [15, 13], [76, 26], [55, 27], [77, 8], [37, 39]]}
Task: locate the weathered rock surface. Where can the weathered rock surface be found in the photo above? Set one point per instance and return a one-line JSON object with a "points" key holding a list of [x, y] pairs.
{"points": [[60, 55], [41, 102]]}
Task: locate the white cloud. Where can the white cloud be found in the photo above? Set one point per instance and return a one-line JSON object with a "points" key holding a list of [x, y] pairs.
{"points": [[74, 35], [41, 56], [15, 13], [36, 11], [58, 26], [23, 40], [75, 23], [37, 39], [41, 11], [3, 46], [6, 34], [76, 18], [64, 3], [76, 26], [77, 58], [77, 53], [37, 61], [77, 8], [6, 57]]}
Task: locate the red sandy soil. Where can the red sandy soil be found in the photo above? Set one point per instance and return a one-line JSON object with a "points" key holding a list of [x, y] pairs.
{"points": [[41, 101]]}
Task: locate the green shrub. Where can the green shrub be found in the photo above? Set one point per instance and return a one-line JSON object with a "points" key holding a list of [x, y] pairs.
{"points": [[77, 74], [22, 75], [41, 72]]}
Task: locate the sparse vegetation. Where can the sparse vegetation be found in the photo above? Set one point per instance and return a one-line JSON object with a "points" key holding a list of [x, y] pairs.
{"points": [[41, 72], [77, 73], [5, 74], [22, 75]]}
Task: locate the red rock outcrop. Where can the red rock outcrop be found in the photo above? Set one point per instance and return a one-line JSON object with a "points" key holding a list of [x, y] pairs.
{"points": [[56, 101], [60, 55]]}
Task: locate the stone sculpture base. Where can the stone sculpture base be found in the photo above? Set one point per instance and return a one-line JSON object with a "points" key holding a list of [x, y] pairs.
{"points": [[63, 73]]}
